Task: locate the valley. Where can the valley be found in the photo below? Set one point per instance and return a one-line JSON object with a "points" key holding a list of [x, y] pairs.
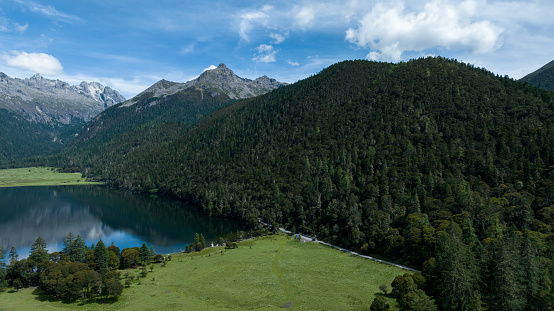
{"points": [[431, 163]]}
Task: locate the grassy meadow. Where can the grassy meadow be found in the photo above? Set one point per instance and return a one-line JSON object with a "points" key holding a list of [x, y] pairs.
{"points": [[39, 176], [269, 273]]}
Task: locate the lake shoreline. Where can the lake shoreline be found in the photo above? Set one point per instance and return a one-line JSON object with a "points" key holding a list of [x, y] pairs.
{"points": [[41, 176]]}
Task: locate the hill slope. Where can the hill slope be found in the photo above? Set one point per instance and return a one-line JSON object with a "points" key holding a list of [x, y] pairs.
{"points": [[357, 141], [383, 158], [542, 77], [163, 111]]}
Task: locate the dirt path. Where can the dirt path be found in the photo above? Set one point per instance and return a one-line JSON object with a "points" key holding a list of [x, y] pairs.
{"points": [[285, 285]]}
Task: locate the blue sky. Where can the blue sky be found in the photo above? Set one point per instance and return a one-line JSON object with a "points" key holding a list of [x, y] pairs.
{"points": [[130, 45]]}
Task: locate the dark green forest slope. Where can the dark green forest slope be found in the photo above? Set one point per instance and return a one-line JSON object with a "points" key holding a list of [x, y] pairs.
{"points": [[403, 160], [20, 138], [542, 78], [125, 132], [186, 106]]}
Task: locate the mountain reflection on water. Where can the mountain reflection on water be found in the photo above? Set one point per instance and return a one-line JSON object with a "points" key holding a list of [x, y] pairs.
{"points": [[125, 218]]}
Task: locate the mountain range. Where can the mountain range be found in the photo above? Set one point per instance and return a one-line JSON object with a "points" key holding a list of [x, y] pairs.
{"points": [[54, 101], [213, 82], [41, 114], [167, 101]]}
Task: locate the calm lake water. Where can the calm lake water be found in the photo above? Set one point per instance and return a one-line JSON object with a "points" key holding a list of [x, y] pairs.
{"points": [[127, 219]]}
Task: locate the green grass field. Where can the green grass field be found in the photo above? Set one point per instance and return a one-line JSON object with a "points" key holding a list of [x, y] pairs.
{"points": [[39, 176], [270, 273]]}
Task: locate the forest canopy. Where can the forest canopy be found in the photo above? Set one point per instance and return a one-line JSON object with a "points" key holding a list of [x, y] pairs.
{"points": [[382, 158]]}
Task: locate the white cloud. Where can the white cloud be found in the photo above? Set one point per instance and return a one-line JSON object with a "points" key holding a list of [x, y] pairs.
{"points": [[390, 30], [278, 38], [189, 48], [294, 64], [34, 62], [250, 18], [4, 23], [7, 26], [21, 28], [265, 54], [264, 48], [50, 11], [305, 16]]}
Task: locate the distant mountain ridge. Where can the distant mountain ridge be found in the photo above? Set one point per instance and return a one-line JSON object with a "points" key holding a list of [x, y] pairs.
{"points": [[38, 115], [167, 101], [542, 78], [218, 81], [42, 100]]}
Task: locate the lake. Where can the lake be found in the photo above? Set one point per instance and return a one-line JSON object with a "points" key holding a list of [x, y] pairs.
{"points": [[95, 212]]}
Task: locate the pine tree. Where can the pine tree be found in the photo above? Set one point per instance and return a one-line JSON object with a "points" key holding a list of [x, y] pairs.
{"points": [[145, 256], [531, 266], [13, 256], [79, 249], [75, 248], [67, 243], [202, 241], [507, 292], [457, 270], [197, 243], [38, 251], [101, 257], [3, 272]]}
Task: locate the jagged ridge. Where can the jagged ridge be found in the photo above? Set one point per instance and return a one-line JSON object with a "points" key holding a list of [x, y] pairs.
{"points": [[218, 81], [43, 100]]}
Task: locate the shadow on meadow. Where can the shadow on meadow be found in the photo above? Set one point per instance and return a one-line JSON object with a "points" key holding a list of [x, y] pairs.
{"points": [[43, 297]]}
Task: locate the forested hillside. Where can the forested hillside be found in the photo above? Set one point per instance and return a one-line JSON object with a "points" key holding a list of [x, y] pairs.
{"points": [[21, 138], [430, 162], [542, 78], [186, 106]]}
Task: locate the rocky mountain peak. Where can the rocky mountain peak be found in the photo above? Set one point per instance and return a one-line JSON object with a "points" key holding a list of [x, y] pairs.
{"points": [[213, 82], [44, 100], [37, 77], [221, 74]]}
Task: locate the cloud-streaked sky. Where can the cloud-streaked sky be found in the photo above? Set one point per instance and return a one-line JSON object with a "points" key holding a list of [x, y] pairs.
{"points": [[130, 45]]}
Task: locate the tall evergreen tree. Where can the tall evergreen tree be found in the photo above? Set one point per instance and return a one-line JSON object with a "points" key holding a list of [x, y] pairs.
{"points": [[507, 291], [145, 255], [202, 241], [457, 271], [101, 257], [13, 256], [38, 251], [75, 248], [79, 249], [3, 271], [67, 243], [531, 267]]}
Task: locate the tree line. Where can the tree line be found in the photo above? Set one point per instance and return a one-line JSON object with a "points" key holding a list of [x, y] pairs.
{"points": [[77, 272]]}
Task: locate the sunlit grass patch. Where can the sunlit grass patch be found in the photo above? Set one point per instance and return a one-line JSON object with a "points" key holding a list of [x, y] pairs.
{"points": [[39, 176]]}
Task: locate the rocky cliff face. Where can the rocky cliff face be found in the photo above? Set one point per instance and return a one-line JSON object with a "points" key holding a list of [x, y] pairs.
{"points": [[43, 100], [218, 81]]}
